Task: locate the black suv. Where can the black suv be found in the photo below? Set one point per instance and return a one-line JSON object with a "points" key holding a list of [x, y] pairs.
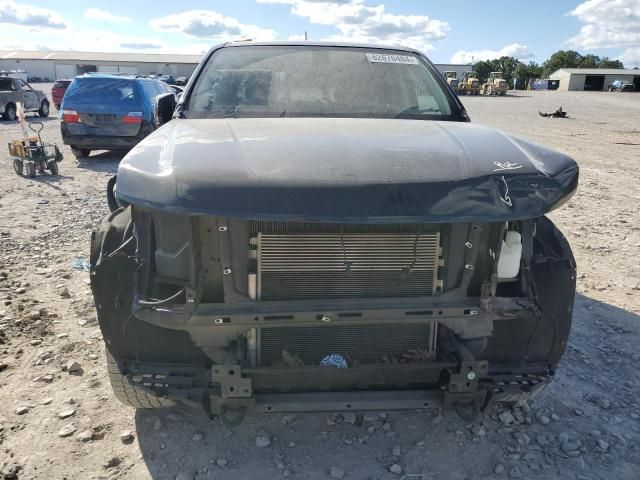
{"points": [[319, 227]]}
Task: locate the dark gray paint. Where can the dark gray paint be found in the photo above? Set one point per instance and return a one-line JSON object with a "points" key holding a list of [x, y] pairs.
{"points": [[328, 169]]}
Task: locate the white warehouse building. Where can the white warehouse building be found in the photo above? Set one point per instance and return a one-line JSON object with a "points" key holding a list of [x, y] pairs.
{"points": [[53, 65], [594, 79]]}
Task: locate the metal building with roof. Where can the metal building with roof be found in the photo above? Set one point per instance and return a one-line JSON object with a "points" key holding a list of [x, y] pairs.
{"points": [[52, 65], [594, 79]]}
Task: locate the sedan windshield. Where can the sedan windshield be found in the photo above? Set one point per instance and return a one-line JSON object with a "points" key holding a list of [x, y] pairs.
{"points": [[305, 81]]}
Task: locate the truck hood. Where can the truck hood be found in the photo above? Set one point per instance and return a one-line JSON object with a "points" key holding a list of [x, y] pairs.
{"points": [[346, 170]]}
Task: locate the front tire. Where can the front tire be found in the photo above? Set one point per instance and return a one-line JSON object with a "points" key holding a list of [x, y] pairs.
{"points": [[31, 169], [44, 109], [53, 168], [10, 112], [18, 166], [80, 152], [129, 394]]}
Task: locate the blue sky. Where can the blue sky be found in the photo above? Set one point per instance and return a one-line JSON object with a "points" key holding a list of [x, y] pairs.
{"points": [[447, 31]]}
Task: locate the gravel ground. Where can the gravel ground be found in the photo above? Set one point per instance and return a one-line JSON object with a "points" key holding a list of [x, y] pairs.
{"points": [[58, 418]]}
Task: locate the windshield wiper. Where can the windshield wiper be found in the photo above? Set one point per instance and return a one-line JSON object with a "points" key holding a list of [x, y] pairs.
{"points": [[415, 110]]}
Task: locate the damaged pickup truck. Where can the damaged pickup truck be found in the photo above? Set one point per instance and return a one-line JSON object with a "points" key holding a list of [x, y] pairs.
{"points": [[319, 227]]}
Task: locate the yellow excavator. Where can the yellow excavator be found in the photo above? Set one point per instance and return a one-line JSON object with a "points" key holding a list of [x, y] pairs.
{"points": [[470, 84], [452, 79], [495, 85]]}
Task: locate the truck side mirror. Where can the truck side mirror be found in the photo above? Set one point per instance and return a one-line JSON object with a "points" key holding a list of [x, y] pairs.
{"points": [[163, 108]]}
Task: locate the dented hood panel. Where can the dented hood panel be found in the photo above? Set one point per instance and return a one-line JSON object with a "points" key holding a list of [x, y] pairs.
{"points": [[347, 170]]}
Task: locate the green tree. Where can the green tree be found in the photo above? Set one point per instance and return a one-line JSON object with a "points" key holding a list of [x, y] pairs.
{"points": [[605, 62], [561, 59]]}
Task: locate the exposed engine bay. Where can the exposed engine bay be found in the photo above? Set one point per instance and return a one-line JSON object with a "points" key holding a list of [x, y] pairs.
{"points": [[270, 314]]}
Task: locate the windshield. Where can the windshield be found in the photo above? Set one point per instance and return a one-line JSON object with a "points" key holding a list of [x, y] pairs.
{"points": [[268, 81], [102, 91]]}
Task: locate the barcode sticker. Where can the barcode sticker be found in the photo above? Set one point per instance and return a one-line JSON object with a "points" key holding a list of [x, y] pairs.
{"points": [[387, 58]]}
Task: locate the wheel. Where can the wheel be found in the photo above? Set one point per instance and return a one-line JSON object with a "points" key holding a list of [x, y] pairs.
{"points": [[31, 169], [53, 167], [80, 152], [18, 166], [44, 109], [129, 394], [10, 112]]}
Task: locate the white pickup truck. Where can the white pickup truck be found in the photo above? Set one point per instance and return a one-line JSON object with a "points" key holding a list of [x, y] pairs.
{"points": [[16, 90]]}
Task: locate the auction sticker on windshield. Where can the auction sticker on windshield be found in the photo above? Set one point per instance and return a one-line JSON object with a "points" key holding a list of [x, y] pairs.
{"points": [[386, 58]]}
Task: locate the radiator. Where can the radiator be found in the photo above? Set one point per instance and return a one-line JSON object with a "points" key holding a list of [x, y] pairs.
{"points": [[358, 344], [303, 265]]}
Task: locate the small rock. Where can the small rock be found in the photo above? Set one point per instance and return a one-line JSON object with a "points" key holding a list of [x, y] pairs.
{"points": [[263, 440], [507, 418], [570, 446], [522, 438], [292, 444], [157, 424], [73, 367], [10, 471], [544, 420], [396, 451], [479, 430], [498, 469], [85, 436], [386, 426], [67, 413], [396, 469], [64, 293], [196, 437], [20, 290], [336, 472], [22, 410], [603, 445], [67, 430], [578, 412], [222, 462], [515, 473], [126, 436], [112, 462], [330, 421], [46, 401], [603, 403], [3, 366]]}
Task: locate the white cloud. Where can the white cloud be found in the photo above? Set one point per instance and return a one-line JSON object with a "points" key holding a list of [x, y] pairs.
{"points": [[35, 18], [607, 23], [210, 24], [515, 50], [98, 14], [631, 57], [357, 22], [94, 40]]}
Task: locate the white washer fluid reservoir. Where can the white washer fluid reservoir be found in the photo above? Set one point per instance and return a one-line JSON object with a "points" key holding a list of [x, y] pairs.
{"points": [[509, 261]]}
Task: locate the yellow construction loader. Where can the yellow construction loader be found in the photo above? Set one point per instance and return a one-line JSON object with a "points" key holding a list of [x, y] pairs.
{"points": [[470, 84], [495, 85], [452, 79]]}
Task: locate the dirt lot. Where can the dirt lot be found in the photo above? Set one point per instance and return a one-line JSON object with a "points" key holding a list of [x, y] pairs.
{"points": [[586, 425]]}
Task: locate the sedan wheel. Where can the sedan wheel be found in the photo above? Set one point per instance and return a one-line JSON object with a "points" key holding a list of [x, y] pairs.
{"points": [[44, 109], [10, 113]]}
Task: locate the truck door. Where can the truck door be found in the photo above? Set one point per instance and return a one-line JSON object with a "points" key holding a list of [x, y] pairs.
{"points": [[30, 98]]}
